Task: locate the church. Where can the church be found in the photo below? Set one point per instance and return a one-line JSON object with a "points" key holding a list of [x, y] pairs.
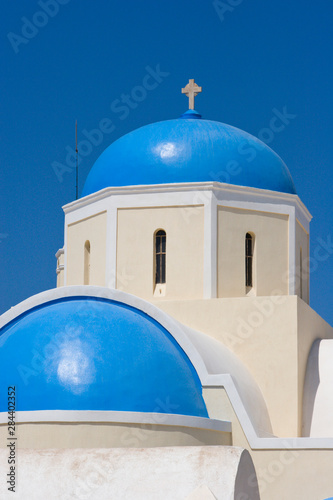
{"points": [[178, 357]]}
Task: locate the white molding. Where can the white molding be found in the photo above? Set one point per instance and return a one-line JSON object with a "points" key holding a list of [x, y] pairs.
{"points": [[121, 417], [86, 212], [261, 443], [65, 252], [60, 268], [256, 194], [111, 247], [210, 247], [59, 252], [292, 252]]}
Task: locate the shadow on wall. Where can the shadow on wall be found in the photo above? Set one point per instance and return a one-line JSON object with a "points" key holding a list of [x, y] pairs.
{"points": [[311, 384], [318, 395]]}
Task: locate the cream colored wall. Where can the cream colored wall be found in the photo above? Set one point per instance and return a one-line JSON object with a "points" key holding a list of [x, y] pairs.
{"points": [[302, 241], [184, 228], [263, 334], [60, 278], [92, 229], [290, 474], [270, 251], [272, 336], [111, 435], [311, 326], [282, 473], [219, 407]]}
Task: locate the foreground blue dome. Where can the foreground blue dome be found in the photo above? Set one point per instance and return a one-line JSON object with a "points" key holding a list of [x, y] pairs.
{"points": [[189, 149], [83, 353]]}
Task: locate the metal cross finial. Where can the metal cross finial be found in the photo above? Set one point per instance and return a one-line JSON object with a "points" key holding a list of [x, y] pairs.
{"points": [[191, 90]]}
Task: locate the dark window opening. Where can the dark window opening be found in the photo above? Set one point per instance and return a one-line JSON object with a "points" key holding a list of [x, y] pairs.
{"points": [[160, 256], [249, 260]]}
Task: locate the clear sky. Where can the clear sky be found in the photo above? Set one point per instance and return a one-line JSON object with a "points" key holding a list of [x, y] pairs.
{"points": [[67, 59]]}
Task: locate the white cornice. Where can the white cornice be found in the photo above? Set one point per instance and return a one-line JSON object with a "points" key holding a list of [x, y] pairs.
{"points": [[218, 188], [59, 252]]}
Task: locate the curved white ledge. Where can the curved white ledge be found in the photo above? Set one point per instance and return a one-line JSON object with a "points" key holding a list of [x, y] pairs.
{"points": [[120, 417]]}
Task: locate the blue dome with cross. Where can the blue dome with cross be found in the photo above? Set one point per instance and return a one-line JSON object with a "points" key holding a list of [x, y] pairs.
{"points": [[187, 150], [89, 353]]}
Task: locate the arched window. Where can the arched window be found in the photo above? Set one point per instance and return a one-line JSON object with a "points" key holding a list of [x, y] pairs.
{"points": [[249, 247], [160, 256], [86, 277]]}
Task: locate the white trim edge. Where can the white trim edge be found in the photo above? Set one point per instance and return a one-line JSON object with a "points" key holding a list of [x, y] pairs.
{"points": [[121, 417]]}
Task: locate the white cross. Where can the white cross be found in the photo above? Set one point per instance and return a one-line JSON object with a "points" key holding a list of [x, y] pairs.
{"points": [[191, 90]]}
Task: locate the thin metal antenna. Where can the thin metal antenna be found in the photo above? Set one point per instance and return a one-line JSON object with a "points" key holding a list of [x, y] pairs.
{"points": [[77, 165]]}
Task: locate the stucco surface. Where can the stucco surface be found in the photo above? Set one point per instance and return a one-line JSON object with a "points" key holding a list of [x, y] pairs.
{"points": [[184, 227], [92, 229], [266, 334], [132, 474], [219, 359], [270, 233]]}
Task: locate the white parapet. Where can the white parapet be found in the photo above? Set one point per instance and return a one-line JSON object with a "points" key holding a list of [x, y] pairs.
{"points": [[318, 391], [175, 473]]}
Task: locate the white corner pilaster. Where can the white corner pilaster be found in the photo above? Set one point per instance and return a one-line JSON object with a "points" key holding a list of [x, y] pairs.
{"points": [[65, 251], [210, 246], [292, 251], [111, 247]]}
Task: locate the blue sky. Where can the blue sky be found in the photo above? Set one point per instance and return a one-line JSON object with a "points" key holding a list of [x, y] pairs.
{"points": [[250, 57]]}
